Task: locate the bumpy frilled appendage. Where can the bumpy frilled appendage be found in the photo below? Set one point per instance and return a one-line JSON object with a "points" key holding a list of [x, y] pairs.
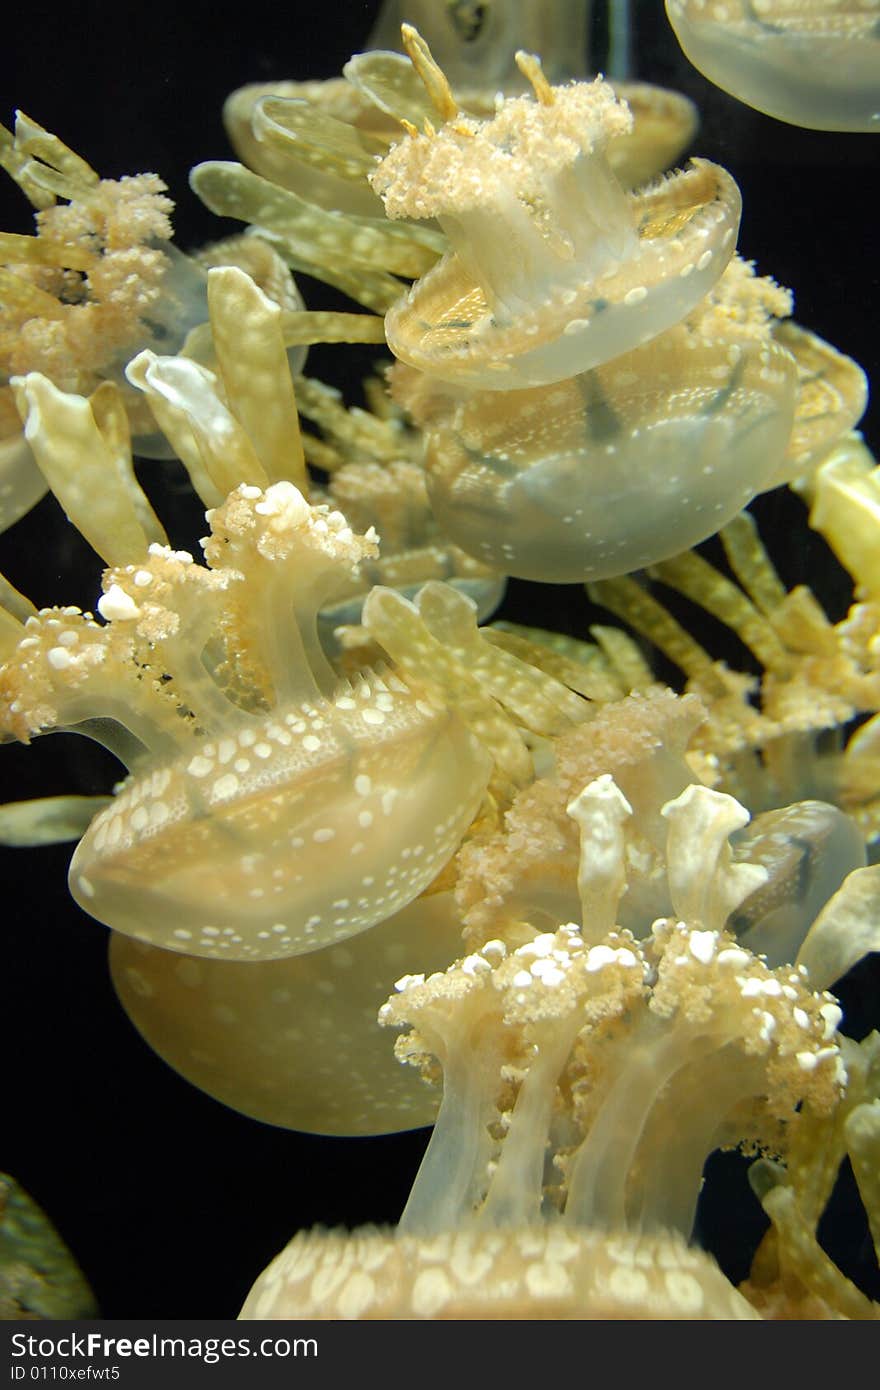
{"points": [[99, 279], [554, 268], [813, 63], [639, 1032], [613, 469]]}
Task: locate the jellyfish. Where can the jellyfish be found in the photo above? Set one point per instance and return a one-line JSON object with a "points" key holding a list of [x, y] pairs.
{"points": [[553, 267], [273, 805], [586, 1076]]}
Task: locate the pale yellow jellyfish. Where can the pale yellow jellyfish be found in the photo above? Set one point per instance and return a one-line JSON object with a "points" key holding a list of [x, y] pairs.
{"points": [[184, 855], [273, 806], [586, 1076], [554, 268], [813, 63], [613, 469]]}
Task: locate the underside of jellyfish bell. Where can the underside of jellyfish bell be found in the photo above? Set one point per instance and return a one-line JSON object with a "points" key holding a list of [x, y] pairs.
{"points": [[812, 65]]}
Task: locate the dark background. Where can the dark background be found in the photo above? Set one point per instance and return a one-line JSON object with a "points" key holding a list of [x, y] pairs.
{"points": [[173, 1203]]}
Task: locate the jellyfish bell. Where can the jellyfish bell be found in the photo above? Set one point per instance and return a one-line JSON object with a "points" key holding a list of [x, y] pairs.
{"points": [[294, 1042], [228, 852], [814, 64], [536, 1272]]}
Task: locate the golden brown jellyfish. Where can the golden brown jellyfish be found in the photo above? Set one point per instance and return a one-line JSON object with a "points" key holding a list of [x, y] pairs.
{"points": [[553, 267], [613, 469], [99, 281], [586, 1076], [237, 820], [813, 63]]}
